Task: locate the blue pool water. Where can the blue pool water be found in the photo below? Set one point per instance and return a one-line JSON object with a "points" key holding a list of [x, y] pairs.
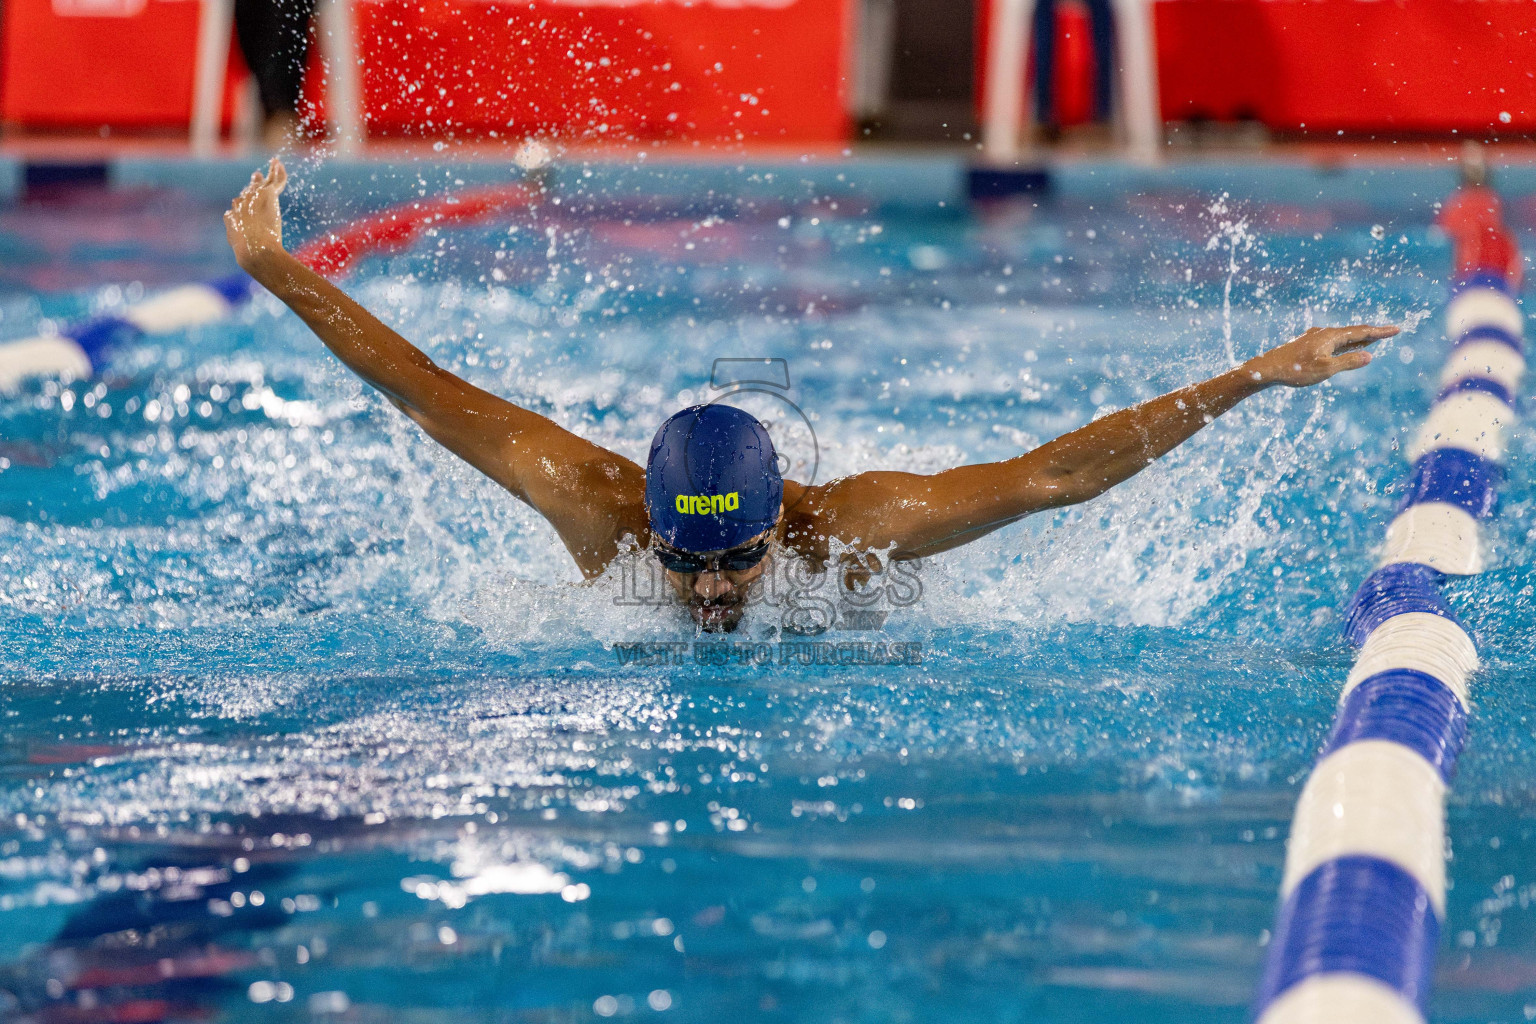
{"points": [[303, 720]]}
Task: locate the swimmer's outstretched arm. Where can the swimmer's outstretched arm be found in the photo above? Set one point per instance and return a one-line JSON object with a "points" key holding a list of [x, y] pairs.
{"points": [[924, 515], [591, 496]]}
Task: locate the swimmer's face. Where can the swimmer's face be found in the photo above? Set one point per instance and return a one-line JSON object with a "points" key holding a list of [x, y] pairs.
{"points": [[716, 592]]}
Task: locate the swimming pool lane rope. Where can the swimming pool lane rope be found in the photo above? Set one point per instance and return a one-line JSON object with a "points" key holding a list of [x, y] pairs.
{"points": [[81, 350], [1362, 897]]}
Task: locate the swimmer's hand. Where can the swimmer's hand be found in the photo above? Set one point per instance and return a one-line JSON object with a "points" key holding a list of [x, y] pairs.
{"points": [[254, 222], [1316, 355]]}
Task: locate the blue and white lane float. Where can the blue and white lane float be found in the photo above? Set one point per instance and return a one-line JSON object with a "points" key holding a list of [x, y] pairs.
{"points": [[1363, 892], [80, 350]]}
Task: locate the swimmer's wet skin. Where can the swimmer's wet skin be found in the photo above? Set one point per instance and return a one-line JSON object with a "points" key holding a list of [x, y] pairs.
{"points": [[710, 502]]}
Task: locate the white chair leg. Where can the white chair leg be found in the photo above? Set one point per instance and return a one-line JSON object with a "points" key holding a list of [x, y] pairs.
{"points": [[216, 20], [1139, 101], [1006, 117], [343, 95]]}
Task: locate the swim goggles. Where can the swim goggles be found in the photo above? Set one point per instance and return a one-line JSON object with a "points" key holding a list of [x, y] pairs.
{"points": [[688, 562]]}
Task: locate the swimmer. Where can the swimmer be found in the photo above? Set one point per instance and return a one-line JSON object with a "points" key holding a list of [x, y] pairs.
{"points": [[710, 504]]}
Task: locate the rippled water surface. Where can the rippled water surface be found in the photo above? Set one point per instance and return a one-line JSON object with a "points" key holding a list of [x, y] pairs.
{"points": [[304, 720]]}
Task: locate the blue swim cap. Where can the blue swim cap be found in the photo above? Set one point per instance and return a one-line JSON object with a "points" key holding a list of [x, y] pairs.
{"points": [[712, 479]]}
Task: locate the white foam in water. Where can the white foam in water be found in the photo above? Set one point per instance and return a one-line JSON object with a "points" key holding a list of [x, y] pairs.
{"points": [[1152, 552], [1132, 557]]}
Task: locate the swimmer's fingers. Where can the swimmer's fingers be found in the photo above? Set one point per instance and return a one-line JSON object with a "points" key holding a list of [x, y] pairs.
{"points": [[245, 203], [260, 196], [1346, 345], [253, 222], [277, 176], [236, 211], [1352, 360], [242, 202], [1317, 355], [1361, 335]]}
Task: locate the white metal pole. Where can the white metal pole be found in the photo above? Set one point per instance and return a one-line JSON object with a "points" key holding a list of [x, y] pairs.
{"points": [[1138, 80], [851, 81], [215, 20], [1006, 116], [343, 94], [877, 43], [247, 128]]}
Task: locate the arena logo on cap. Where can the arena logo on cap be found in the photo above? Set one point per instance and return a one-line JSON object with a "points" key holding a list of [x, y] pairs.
{"points": [[708, 504]]}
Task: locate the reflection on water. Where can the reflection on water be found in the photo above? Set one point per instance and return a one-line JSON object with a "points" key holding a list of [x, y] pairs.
{"points": [[303, 720]]}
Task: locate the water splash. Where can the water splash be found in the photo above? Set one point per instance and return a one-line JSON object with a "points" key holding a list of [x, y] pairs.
{"points": [[1233, 235]]}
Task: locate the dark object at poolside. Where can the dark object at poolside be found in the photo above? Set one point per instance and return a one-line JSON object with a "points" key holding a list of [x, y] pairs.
{"points": [[1002, 183]]}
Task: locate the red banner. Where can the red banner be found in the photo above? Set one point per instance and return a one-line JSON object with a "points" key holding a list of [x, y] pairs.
{"points": [[1385, 66], [1382, 66], [76, 64], [711, 70], [607, 70], [89, 64], [775, 70]]}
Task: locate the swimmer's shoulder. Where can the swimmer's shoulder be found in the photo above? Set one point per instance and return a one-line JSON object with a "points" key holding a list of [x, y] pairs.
{"points": [[803, 528], [808, 530], [605, 515], [811, 509]]}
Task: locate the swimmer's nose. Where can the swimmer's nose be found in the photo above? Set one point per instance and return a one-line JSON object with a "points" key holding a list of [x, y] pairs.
{"points": [[711, 586]]}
